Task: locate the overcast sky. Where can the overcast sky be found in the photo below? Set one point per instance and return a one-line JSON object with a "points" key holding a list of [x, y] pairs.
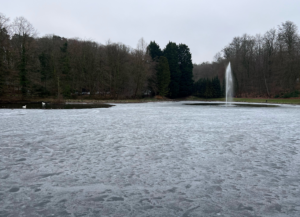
{"points": [[205, 26]]}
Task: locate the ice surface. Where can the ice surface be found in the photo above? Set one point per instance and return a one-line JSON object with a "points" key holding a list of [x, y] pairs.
{"points": [[150, 159]]}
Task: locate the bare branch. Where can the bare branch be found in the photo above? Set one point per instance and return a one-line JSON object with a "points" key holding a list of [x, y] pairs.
{"points": [[22, 27]]}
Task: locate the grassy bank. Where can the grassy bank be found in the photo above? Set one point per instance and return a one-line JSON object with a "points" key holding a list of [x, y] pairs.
{"points": [[114, 100], [253, 100], [250, 100], [276, 101], [80, 100]]}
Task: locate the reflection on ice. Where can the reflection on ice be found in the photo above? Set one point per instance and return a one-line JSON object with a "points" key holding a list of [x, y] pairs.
{"points": [[151, 159]]}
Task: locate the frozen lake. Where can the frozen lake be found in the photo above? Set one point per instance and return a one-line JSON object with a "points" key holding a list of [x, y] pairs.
{"points": [[150, 159]]}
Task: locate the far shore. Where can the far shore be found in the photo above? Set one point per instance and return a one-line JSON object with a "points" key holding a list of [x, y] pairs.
{"points": [[152, 99]]}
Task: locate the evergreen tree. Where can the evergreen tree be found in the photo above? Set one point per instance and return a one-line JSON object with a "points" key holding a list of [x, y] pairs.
{"points": [[186, 68], [209, 91], [171, 53], [207, 88], [199, 88], [154, 50], [163, 76], [202, 87], [223, 92], [217, 87], [201, 84]]}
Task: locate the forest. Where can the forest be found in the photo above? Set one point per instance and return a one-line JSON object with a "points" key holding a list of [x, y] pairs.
{"points": [[265, 65], [53, 66]]}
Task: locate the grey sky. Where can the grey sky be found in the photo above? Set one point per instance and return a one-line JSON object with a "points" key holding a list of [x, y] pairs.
{"points": [[205, 26]]}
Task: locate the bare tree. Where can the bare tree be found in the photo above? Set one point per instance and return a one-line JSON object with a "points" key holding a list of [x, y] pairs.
{"points": [[118, 56], [269, 46], [23, 27], [288, 37], [4, 52], [3, 21], [23, 35], [140, 69]]}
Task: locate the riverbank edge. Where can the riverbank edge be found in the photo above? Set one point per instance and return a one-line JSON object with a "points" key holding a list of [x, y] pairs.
{"points": [[295, 101]]}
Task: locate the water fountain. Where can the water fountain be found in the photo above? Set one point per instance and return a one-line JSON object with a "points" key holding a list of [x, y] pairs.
{"points": [[229, 93], [229, 85]]}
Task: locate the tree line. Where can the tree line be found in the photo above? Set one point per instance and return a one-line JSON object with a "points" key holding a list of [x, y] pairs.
{"points": [[51, 65], [265, 65], [55, 66]]}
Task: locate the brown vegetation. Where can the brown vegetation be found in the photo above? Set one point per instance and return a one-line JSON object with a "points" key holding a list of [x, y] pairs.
{"points": [[53, 66], [263, 65]]}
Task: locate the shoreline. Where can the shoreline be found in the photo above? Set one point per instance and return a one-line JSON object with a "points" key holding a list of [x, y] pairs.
{"points": [[145, 100]]}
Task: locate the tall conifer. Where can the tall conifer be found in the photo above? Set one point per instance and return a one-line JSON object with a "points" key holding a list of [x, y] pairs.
{"points": [[163, 76], [154, 50], [186, 69], [171, 53]]}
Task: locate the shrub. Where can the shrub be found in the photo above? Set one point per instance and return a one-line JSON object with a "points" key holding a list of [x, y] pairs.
{"points": [[291, 94]]}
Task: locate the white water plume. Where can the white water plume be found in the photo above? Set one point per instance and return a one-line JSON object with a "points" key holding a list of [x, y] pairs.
{"points": [[229, 85]]}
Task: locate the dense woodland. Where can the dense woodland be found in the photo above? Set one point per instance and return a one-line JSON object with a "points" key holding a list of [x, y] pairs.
{"points": [[179, 79], [52, 66], [209, 88], [263, 65]]}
